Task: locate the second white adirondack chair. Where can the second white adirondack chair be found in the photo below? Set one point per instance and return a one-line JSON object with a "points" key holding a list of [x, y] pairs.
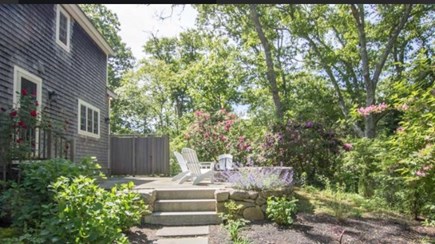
{"points": [[191, 157], [182, 162]]}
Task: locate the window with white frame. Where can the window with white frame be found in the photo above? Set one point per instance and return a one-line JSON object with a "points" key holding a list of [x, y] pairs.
{"points": [[88, 119], [62, 28], [30, 84]]}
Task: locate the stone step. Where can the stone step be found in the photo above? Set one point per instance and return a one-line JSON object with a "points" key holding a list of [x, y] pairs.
{"points": [[183, 218], [186, 193], [194, 240], [174, 205], [183, 231]]}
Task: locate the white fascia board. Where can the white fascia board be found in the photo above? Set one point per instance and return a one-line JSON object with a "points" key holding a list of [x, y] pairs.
{"points": [[78, 15]]}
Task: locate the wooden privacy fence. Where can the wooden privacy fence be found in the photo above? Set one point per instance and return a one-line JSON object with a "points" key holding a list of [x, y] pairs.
{"points": [[139, 155]]}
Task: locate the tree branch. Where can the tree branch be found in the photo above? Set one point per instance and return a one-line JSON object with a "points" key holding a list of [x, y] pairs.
{"points": [[328, 70], [358, 14], [393, 37]]}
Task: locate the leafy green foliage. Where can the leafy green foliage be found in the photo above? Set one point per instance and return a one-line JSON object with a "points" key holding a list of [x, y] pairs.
{"points": [[281, 210], [25, 200], [233, 227], [361, 166], [232, 221], [58, 201], [83, 212], [412, 151], [232, 211]]}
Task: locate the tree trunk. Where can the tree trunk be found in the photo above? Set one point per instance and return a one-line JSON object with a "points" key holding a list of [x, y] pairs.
{"points": [[371, 82], [369, 121], [370, 126], [271, 75]]}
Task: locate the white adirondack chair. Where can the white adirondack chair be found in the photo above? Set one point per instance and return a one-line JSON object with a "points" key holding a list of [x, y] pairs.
{"points": [[191, 157], [182, 162], [198, 174]]}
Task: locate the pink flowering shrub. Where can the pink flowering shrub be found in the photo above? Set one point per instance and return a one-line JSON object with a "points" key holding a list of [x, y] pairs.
{"points": [[372, 109], [402, 107], [308, 147], [219, 133]]}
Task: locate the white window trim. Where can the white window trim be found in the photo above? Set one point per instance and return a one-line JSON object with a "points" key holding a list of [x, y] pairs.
{"points": [[79, 130], [68, 31], [22, 73], [18, 74]]}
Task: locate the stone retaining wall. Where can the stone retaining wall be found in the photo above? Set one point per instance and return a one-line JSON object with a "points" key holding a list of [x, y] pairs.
{"points": [[149, 198], [253, 202]]}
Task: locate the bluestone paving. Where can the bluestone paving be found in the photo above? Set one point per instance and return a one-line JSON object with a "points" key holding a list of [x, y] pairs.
{"points": [[183, 231]]}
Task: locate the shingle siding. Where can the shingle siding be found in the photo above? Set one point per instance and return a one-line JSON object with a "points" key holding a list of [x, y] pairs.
{"points": [[28, 39]]}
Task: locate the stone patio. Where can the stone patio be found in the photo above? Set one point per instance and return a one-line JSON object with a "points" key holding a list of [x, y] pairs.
{"points": [[147, 182]]}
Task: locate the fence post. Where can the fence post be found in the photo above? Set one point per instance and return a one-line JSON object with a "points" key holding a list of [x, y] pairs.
{"points": [[134, 155]]}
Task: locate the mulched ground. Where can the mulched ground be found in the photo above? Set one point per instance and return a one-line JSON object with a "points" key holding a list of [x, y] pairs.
{"points": [[310, 228]]}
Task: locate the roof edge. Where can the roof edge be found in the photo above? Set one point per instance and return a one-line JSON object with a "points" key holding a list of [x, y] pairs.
{"points": [[90, 29], [111, 93]]}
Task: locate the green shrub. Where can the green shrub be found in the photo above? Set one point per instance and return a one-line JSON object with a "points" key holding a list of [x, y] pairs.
{"points": [[361, 166], [233, 227], [24, 200], [174, 167], [308, 147], [83, 212], [281, 210], [233, 222], [232, 211]]}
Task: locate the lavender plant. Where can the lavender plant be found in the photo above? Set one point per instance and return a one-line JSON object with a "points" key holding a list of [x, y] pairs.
{"points": [[259, 179]]}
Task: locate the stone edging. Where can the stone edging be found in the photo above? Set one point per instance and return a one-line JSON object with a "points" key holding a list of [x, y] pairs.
{"points": [[253, 202]]}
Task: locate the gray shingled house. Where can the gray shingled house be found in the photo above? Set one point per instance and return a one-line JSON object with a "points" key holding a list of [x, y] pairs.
{"points": [[56, 52]]}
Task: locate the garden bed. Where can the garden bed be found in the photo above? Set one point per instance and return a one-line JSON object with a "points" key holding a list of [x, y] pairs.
{"points": [[313, 228], [321, 228]]}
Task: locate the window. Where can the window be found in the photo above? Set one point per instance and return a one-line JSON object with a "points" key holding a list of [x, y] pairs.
{"points": [[89, 119], [62, 28], [24, 80], [28, 81]]}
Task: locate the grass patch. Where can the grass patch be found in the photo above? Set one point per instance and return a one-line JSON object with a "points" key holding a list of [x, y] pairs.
{"points": [[340, 204]]}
